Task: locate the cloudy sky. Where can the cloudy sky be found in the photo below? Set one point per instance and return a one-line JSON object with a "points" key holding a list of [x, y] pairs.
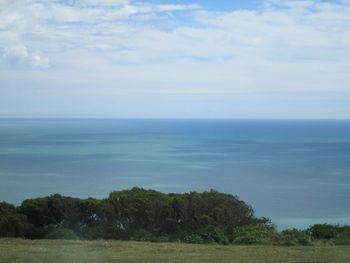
{"points": [[175, 58]]}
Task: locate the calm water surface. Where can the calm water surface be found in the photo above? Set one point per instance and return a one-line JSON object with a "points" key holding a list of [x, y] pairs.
{"points": [[295, 172]]}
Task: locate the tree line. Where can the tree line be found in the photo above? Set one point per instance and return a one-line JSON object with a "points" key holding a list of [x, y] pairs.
{"points": [[148, 215]]}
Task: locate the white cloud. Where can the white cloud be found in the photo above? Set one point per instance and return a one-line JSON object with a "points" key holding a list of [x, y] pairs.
{"points": [[38, 60], [104, 2], [18, 56], [115, 46]]}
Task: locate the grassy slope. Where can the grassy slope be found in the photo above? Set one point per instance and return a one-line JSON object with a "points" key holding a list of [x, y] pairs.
{"points": [[12, 250]]}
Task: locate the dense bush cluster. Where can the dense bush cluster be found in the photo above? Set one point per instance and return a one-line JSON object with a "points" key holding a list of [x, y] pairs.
{"points": [[147, 215], [135, 214]]}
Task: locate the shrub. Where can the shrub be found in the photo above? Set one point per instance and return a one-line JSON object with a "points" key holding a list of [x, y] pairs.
{"points": [[141, 235], [193, 239], [12, 223], [342, 239], [212, 234], [102, 230], [286, 240], [324, 231], [251, 235], [305, 240], [144, 235], [211, 215], [294, 236]]}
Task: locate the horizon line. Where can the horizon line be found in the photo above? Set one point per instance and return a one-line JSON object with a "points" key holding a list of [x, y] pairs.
{"points": [[174, 118]]}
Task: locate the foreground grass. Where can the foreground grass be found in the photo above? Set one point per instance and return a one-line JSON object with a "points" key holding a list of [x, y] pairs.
{"points": [[19, 250]]}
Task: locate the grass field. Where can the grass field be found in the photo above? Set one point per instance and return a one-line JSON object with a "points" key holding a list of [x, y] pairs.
{"points": [[18, 250]]}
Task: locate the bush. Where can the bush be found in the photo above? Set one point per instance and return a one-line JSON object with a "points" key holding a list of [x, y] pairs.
{"points": [[102, 230], [212, 234], [12, 223], [286, 240], [144, 235], [193, 239], [293, 236], [253, 235], [62, 233], [305, 240], [342, 239], [141, 235], [324, 231]]}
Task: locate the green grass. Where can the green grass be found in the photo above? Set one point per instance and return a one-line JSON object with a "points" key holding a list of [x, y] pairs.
{"points": [[19, 250]]}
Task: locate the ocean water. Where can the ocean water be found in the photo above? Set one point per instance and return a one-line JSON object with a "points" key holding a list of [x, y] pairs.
{"points": [[295, 172]]}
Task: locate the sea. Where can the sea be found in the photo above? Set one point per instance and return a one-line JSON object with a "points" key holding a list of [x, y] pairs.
{"points": [[296, 172]]}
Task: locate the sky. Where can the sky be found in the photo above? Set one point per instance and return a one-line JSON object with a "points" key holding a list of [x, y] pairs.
{"points": [[175, 59]]}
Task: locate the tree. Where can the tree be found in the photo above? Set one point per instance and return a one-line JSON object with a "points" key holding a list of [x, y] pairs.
{"points": [[12, 223]]}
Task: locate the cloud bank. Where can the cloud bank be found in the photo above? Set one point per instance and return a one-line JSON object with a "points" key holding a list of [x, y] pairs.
{"points": [[63, 52]]}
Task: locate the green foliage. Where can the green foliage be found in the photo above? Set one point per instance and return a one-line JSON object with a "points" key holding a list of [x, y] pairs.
{"points": [[342, 239], [193, 239], [324, 231], [292, 237], [13, 223], [140, 209], [99, 231], [147, 215], [212, 234], [224, 211], [254, 235], [54, 209], [141, 235]]}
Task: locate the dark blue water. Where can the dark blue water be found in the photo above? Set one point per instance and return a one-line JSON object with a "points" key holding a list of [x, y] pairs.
{"points": [[295, 172]]}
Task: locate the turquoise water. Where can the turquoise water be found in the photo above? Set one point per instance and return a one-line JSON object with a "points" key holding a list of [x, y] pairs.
{"points": [[295, 172]]}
